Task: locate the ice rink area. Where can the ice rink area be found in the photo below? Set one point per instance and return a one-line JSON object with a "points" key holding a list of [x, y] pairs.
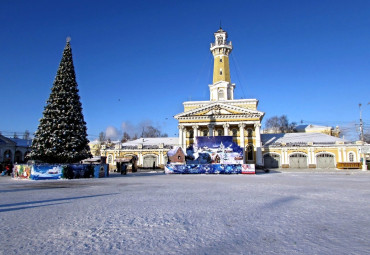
{"points": [[291, 212]]}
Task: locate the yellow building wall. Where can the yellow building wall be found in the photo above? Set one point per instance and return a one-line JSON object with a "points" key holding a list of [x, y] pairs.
{"points": [[221, 65], [317, 150]]}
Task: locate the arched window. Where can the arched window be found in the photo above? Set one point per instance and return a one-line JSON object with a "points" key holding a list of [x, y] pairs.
{"points": [[110, 159], [235, 131], [220, 132], [205, 132], [351, 157], [250, 132], [8, 155]]}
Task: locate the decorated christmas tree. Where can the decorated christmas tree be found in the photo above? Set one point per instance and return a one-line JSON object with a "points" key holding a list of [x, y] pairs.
{"points": [[61, 136]]}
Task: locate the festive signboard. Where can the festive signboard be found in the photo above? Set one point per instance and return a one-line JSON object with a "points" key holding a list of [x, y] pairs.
{"points": [[100, 171], [210, 169], [214, 150], [46, 171], [22, 171], [57, 171]]}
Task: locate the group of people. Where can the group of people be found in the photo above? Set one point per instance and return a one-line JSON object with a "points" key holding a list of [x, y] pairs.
{"points": [[6, 169]]}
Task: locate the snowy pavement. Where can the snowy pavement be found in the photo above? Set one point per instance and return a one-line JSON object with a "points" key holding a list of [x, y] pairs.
{"points": [[151, 213]]}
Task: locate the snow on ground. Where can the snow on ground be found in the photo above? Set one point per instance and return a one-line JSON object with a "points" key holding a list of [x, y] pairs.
{"points": [[153, 213]]}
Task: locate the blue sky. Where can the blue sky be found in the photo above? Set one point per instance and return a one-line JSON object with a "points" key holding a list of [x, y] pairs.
{"points": [[137, 61]]}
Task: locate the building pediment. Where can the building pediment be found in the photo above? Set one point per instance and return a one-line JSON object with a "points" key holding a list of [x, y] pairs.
{"points": [[219, 110]]}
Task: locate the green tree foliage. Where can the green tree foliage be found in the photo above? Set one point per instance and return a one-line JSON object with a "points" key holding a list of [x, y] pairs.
{"points": [[61, 136]]}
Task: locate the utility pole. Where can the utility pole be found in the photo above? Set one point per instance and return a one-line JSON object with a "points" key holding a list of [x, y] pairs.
{"points": [[364, 165], [361, 125], [362, 138]]}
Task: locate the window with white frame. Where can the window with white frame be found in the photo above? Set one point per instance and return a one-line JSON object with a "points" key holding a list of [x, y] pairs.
{"points": [[110, 159], [351, 157]]}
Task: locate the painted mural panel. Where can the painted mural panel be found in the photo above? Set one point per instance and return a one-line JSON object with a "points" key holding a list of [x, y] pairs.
{"points": [[214, 150], [100, 171], [210, 169], [22, 171], [46, 171], [56, 171]]}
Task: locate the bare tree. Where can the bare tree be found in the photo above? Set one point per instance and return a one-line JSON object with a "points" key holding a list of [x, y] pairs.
{"points": [[101, 137], [280, 124], [125, 137], [151, 131]]}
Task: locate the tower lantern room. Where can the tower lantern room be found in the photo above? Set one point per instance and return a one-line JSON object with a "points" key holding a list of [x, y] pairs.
{"points": [[221, 89]]}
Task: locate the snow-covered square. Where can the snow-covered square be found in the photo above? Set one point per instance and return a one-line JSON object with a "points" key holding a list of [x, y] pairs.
{"points": [[153, 213]]}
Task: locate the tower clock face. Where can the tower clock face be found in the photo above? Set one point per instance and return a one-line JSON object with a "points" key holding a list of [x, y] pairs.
{"points": [[220, 40]]}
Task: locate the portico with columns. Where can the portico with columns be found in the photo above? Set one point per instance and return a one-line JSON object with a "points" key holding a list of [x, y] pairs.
{"points": [[222, 115]]}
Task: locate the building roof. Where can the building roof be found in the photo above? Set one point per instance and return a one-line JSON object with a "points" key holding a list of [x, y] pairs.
{"points": [[22, 142], [310, 127], [15, 141], [299, 139], [6, 140], [153, 141], [174, 151]]}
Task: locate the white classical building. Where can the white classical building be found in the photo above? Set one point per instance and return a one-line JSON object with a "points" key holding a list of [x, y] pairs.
{"points": [[222, 115], [311, 147]]}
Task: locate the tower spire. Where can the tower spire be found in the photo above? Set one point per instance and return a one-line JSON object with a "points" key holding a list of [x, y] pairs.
{"points": [[221, 89]]}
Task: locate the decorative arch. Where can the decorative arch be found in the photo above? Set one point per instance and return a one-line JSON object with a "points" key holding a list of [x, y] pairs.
{"points": [[271, 154], [325, 160], [324, 152], [150, 160], [297, 154], [298, 160]]}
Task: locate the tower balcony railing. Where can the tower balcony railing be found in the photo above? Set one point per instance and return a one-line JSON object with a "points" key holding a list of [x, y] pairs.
{"points": [[221, 45]]}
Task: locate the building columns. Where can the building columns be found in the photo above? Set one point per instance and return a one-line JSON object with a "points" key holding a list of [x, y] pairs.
{"points": [[211, 127], [181, 136], [339, 155], [195, 132], [344, 155], [257, 132], [241, 134], [226, 128]]}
